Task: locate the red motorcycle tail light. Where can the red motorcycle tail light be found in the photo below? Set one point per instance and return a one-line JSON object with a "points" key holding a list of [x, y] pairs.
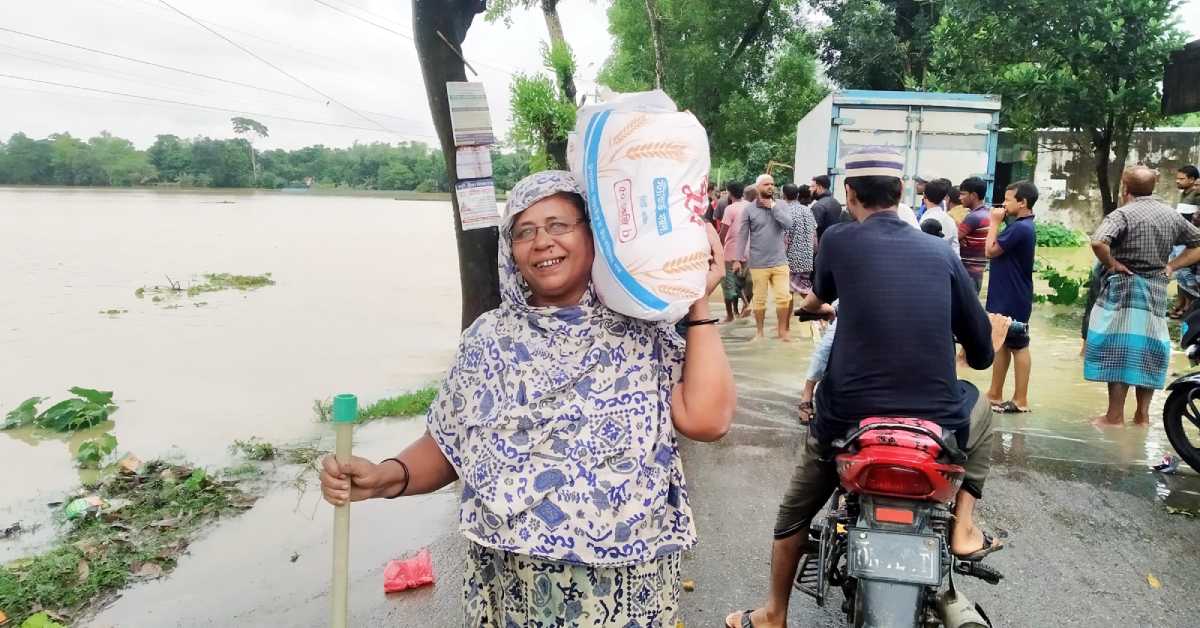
{"points": [[894, 515], [895, 480]]}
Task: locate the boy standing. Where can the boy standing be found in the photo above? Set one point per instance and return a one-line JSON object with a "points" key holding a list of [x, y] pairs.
{"points": [[1010, 291]]}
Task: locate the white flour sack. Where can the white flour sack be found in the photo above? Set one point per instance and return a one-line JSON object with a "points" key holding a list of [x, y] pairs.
{"points": [[644, 167]]}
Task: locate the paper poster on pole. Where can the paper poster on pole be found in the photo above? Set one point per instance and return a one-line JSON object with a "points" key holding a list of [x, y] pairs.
{"points": [[469, 114], [477, 204], [474, 162]]}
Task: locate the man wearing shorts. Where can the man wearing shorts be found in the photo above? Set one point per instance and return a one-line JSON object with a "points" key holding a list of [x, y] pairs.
{"points": [[1010, 291], [765, 224]]}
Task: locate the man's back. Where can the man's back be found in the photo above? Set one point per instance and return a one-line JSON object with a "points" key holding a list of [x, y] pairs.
{"points": [[827, 211], [904, 298], [1142, 233]]}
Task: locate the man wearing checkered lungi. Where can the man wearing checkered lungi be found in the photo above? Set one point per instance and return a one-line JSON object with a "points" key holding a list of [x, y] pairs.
{"points": [[1127, 339]]}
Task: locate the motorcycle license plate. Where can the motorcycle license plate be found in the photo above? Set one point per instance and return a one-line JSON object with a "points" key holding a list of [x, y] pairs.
{"points": [[894, 556]]}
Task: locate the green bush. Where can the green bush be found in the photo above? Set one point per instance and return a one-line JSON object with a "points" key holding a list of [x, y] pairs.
{"points": [[1054, 234]]}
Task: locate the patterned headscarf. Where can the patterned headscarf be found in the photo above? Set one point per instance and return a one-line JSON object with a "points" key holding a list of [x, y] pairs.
{"points": [[557, 420]]}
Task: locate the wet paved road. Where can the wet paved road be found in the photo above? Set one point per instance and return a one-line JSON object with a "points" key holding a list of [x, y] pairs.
{"points": [[1086, 525]]}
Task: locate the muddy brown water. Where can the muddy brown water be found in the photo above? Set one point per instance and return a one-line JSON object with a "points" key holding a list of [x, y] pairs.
{"points": [[366, 301]]}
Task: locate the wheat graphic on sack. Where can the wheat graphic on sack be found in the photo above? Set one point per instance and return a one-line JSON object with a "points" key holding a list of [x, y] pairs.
{"points": [[629, 129], [673, 151]]}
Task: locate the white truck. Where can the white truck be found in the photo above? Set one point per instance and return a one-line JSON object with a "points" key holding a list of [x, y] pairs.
{"points": [[952, 136]]}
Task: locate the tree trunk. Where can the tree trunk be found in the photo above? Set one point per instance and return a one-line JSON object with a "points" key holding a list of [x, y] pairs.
{"points": [[554, 26], [1124, 136], [477, 248], [1101, 150], [253, 167], [660, 75]]}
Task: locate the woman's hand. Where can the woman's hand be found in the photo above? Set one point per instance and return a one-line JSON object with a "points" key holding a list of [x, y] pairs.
{"points": [[353, 481], [716, 262]]}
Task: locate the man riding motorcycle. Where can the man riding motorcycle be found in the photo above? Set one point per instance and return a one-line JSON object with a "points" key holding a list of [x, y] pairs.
{"points": [[905, 299]]}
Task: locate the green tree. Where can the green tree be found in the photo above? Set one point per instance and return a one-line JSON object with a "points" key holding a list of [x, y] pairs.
{"points": [[896, 53], [1092, 66], [250, 129], [541, 120], [171, 156], [745, 68], [502, 10], [27, 161]]}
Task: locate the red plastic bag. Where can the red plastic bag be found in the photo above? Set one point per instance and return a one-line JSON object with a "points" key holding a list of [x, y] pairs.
{"points": [[408, 573]]}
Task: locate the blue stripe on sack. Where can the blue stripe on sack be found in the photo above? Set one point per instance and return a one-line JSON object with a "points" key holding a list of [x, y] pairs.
{"points": [[595, 130]]}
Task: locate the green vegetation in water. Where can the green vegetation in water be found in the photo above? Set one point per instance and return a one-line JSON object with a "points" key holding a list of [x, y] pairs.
{"points": [[138, 525], [215, 282], [1054, 235], [1069, 286], [87, 409], [409, 404], [212, 282], [93, 451], [114, 312], [254, 449]]}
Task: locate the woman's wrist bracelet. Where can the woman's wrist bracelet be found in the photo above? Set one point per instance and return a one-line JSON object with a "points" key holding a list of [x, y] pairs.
{"points": [[407, 475], [705, 321]]}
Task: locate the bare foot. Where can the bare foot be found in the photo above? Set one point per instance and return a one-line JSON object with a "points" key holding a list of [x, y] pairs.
{"points": [[1104, 421], [727, 320], [965, 538], [1141, 421], [745, 313], [785, 338], [758, 619]]}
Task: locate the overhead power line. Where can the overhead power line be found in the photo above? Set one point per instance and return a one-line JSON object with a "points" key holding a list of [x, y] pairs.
{"points": [[363, 19], [156, 65], [205, 107], [396, 32], [275, 67]]}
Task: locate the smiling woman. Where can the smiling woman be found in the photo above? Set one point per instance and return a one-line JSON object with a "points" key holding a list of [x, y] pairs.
{"points": [[560, 416]]}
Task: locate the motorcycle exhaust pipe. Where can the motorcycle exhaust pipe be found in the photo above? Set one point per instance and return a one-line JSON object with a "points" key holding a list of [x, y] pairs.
{"points": [[958, 612]]}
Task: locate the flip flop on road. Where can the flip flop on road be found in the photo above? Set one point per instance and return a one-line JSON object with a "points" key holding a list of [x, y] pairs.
{"points": [[1009, 407], [744, 623], [990, 546]]}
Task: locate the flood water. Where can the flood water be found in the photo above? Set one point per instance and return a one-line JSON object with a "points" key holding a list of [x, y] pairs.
{"points": [[366, 300]]}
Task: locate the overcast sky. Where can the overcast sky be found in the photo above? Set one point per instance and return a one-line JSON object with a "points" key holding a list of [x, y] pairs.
{"points": [[373, 71]]}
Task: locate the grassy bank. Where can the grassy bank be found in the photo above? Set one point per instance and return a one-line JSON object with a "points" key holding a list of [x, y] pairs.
{"points": [[132, 526]]}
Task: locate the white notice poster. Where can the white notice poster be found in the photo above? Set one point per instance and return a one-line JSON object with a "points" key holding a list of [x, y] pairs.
{"points": [[477, 204], [469, 114], [474, 162]]}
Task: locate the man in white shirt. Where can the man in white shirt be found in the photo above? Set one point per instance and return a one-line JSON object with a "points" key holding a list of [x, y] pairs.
{"points": [[932, 208]]}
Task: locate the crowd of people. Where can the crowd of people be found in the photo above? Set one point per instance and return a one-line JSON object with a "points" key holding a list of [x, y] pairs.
{"points": [[771, 245], [561, 417]]}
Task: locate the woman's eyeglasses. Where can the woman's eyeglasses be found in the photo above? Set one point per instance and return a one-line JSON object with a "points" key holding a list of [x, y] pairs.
{"points": [[556, 228]]}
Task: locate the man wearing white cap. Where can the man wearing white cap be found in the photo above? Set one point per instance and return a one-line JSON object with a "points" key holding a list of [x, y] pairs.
{"points": [[763, 229], [893, 355]]}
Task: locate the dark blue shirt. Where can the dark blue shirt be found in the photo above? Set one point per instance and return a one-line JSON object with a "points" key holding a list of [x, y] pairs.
{"points": [[905, 297], [1010, 287]]}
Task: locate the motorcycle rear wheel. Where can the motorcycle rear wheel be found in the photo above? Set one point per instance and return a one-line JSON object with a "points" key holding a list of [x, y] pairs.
{"points": [[1181, 409]]}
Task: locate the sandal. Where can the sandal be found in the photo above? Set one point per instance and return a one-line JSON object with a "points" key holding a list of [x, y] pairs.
{"points": [[990, 546], [1009, 407], [745, 622]]}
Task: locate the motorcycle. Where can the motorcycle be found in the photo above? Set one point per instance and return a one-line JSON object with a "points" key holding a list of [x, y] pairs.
{"points": [[885, 540], [1181, 412]]}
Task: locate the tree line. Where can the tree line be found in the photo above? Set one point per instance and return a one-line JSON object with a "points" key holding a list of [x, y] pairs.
{"points": [[748, 68], [107, 160]]}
